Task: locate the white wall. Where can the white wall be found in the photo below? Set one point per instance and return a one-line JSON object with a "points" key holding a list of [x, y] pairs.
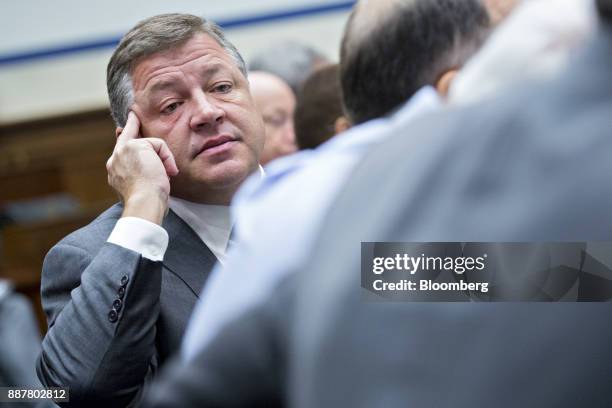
{"points": [[68, 82]]}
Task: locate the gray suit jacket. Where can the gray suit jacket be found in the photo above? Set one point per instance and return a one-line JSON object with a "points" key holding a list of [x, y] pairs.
{"points": [[113, 315]]}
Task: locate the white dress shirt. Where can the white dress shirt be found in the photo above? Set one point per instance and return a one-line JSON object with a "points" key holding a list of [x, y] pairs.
{"points": [[212, 223], [277, 219], [142, 236]]}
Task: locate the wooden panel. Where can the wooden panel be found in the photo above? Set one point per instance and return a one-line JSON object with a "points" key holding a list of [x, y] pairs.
{"points": [[30, 184], [85, 178], [45, 144], [57, 155]]}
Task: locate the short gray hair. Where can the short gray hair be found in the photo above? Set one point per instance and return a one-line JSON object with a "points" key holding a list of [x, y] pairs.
{"points": [[150, 36]]}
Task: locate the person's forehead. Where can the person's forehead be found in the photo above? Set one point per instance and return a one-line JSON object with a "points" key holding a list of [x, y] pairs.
{"points": [[200, 49], [264, 83], [272, 94]]}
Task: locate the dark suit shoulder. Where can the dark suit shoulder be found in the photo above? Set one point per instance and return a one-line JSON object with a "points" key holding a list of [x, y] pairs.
{"points": [[92, 236]]}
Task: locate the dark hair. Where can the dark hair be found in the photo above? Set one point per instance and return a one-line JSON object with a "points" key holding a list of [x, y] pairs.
{"points": [[411, 45], [319, 104], [605, 9]]}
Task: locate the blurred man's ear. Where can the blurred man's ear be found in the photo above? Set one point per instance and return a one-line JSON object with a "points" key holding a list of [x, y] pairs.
{"points": [[444, 82], [118, 131], [341, 124], [499, 9]]}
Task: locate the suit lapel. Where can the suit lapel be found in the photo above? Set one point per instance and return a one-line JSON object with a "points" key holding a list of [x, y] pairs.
{"points": [[187, 256]]}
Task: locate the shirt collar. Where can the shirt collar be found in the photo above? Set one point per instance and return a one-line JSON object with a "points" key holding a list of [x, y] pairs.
{"points": [[212, 223]]}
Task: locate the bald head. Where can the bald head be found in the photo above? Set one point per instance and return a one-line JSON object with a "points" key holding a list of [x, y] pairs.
{"points": [[262, 82], [366, 16], [276, 103]]}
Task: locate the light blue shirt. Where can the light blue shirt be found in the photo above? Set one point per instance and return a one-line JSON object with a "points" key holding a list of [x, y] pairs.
{"points": [[277, 219]]}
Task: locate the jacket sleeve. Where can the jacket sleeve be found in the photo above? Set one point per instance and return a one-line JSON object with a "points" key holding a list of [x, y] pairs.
{"points": [[244, 365], [101, 312]]}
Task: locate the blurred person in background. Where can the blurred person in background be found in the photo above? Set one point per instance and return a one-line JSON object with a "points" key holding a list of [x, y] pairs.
{"points": [[118, 293], [319, 114], [531, 165], [289, 60], [276, 104], [20, 342], [531, 43]]}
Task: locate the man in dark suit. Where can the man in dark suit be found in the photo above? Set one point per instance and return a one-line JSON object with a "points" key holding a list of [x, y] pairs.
{"points": [[118, 292], [532, 166]]}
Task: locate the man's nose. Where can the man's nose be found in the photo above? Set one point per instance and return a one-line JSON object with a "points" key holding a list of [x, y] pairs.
{"points": [[206, 112]]}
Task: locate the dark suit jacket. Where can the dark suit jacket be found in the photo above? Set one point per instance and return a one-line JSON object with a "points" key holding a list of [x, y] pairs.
{"points": [[113, 315], [534, 165]]}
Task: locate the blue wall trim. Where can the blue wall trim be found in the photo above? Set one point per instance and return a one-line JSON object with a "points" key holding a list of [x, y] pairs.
{"points": [[112, 42]]}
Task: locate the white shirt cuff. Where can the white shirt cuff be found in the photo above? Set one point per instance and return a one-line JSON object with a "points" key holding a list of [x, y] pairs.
{"points": [[142, 236]]}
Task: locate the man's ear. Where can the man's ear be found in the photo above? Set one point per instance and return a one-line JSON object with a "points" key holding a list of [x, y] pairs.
{"points": [[118, 131], [341, 124], [444, 82]]}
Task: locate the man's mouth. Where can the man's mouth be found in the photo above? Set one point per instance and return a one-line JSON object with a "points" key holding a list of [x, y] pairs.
{"points": [[217, 144]]}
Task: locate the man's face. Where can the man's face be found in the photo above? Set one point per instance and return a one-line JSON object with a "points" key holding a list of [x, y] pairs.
{"points": [[197, 100], [276, 103]]}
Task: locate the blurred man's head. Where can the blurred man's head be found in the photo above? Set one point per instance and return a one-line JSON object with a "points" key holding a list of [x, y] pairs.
{"points": [[290, 60], [392, 48], [319, 114], [276, 104], [187, 85]]}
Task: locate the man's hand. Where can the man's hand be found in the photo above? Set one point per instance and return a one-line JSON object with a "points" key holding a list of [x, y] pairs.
{"points": [[139, 170]]}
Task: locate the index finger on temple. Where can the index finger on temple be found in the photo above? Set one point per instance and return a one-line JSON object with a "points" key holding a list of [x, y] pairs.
{"points": [[131, 129]]}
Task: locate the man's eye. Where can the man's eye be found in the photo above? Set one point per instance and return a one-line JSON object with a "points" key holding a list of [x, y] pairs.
{"points": [[223, 88], [170, 108]]}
